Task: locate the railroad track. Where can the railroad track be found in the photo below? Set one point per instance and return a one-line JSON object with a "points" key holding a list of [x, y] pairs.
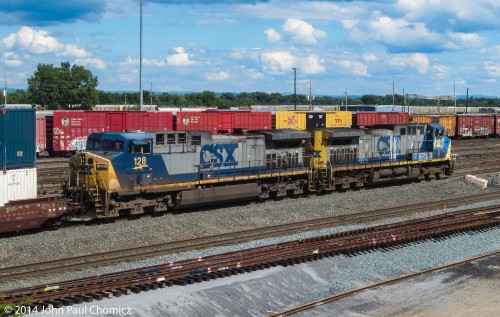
{"points": [[231, 263], [139, 253], [326, 300]]}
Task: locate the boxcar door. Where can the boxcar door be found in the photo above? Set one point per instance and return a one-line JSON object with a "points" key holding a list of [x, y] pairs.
{"points": [[116, 121]]}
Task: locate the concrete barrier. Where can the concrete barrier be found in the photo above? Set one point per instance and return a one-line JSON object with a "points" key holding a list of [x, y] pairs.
{"points": [[481, 182]]}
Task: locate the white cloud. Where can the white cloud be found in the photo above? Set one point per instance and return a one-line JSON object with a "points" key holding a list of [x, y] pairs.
{"points": [[492, 68], [349, 23], [220, 75], [272, 35], [11, 59], [96, 62], [130, 61], [253, 73], [75, 51], [370, 58], [311, 64], [180, 58], [418, 61], [278, 61], [284, 61], [302, 32], [40, 42], [357, 68]]}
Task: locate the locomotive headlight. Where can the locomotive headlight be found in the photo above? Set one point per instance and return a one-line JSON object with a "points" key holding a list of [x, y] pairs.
{"points": [[102, 166]]}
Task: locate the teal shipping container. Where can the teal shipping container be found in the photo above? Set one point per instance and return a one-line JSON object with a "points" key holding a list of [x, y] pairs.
{"points": [[17, 138]]}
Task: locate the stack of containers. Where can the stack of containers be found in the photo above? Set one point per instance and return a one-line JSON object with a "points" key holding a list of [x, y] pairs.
{"points": [[309, 120], [18, 177]]}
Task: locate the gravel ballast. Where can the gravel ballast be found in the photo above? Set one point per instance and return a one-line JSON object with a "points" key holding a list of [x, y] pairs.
{"points": [[100, 238], [68, 242]]}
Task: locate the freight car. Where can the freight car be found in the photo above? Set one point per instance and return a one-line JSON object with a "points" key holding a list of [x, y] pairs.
{"points": [[473, 126], [221, 121], [464, 125], [65, 132], [135, 173], [20, 206]]}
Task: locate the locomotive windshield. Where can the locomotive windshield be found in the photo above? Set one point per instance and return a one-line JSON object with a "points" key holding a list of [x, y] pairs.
{"points": [[105, 145]]}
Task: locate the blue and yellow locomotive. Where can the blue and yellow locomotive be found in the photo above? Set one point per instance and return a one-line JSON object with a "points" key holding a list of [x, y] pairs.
{"points": [[350, 158], [133, 173]]}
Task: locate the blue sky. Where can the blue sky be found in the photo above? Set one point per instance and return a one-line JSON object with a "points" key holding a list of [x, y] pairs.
{"points": [[423, 46]]}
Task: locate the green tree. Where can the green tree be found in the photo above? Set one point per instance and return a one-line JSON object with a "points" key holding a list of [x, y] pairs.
{"points": [[64, 87]]}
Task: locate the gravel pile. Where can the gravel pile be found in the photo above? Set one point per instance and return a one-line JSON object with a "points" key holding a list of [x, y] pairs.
{"points": [[87, 240]]}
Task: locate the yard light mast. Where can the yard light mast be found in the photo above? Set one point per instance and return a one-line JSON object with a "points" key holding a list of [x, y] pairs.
{"points": [[140, 63]]}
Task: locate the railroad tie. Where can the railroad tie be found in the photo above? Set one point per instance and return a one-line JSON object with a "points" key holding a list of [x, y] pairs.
{"points": [[125, 291], [76, 299], [116, 292], [97, 296]]}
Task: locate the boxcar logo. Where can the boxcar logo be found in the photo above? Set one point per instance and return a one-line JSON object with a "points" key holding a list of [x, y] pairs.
{"points": [[185, 120], [65, 121], [291, 120], [218, 155]]}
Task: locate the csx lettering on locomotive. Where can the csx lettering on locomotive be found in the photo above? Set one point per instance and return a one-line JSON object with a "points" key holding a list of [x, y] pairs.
{"points": [[217, 155]]}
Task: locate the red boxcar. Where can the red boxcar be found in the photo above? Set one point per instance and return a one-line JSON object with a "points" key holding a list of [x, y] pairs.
{"points": [[475, 125], [41, 135], [371, 118], [71, 128], [148, 121], [221, 122]]}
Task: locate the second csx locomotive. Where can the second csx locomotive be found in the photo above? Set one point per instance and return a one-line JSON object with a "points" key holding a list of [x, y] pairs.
{"points": [[134, 173]]}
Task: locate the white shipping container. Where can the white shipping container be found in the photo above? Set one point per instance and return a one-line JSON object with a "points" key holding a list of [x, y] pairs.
{"points": [[17, 184]]}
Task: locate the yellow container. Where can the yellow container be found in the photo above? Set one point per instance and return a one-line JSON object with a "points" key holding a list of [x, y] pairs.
{"points": [[309, 120], [449, 122]]}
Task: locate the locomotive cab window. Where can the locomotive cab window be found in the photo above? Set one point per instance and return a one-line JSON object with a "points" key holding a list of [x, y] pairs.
{"points": [[93, 144], [137, 146], [108, 145]]}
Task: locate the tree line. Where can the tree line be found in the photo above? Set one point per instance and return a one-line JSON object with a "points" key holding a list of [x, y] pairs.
{"points": [[74, 87]]}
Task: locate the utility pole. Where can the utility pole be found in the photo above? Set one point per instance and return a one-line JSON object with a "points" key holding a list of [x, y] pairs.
{"points": [[5, 93], [294, 89], [404, 101], [346, 100], [151, 94], [311, 97], [140, 64], [393, 95], [467, 100], [455, 99]]}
